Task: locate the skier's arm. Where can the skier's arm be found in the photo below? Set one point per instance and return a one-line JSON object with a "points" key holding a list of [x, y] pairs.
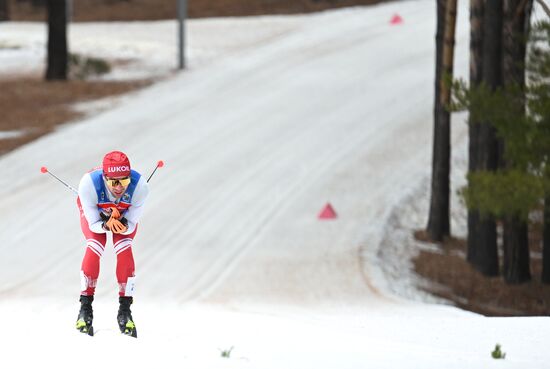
{"points": [[88, 200], [133, 214]]}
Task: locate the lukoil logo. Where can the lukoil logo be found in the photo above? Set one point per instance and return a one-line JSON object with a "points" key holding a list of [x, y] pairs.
{"points": [[123, 168]]}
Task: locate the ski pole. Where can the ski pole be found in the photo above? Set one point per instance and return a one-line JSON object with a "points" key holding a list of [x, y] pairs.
{"points": [[160, 164], [45, 170]]}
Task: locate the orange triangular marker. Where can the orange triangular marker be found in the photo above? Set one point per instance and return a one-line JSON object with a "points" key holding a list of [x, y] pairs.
{"points": [[327, 212], [396, 19]]}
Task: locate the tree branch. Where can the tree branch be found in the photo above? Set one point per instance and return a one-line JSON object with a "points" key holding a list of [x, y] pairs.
{"points": [[545, 7]]}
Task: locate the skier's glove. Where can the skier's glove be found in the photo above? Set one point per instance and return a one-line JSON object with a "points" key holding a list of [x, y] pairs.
{"points": [[116, 226], [122, 227], [104, 217], [115, 213], [109, 212], [114, 222]]}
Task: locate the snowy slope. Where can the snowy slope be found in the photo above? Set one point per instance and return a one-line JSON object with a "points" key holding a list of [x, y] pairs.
{"points": [[257, 136]]}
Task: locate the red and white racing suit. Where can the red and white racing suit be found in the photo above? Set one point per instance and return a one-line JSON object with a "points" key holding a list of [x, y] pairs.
{"points": [[93, 196]]}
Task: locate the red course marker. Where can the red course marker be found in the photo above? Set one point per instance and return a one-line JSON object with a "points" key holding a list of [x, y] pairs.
{"points": [[327, 212], [396, 19]]}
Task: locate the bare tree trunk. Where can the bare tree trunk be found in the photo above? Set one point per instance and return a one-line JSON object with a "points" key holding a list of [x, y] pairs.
{"points": [[439, 35], [515, 242], [438, 223], [4, 10], [476, 41], [57, 40], [516, 251], [476, 68]]}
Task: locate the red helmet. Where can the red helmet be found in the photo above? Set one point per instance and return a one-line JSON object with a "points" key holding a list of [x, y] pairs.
{"points": [[116, 164]]}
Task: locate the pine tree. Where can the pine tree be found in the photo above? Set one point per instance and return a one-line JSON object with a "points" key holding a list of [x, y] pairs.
{"points": [[515, 240], [485, 257], [476, 66], [521, 117], [539, 71]]}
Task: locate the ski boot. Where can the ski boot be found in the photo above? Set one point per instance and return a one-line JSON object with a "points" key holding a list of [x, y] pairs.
{"points": [[85, 316], [124, 317]]}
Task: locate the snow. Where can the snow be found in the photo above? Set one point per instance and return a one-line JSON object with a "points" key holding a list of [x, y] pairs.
{"points": [[275, 117], [11, 134]]}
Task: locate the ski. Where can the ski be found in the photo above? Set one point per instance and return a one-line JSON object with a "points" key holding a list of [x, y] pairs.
{"points": [[128, 329], [82, 327]]}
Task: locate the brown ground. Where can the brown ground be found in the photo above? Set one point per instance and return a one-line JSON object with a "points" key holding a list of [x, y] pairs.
{"points": [[107, 10], [456, 280], [36, 106], [30, 104]]}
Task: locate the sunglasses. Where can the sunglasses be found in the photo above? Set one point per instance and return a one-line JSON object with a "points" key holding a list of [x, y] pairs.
{"points": [[113, 182]]}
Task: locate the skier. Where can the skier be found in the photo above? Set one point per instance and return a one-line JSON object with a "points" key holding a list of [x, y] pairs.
{"points": [[110, 200]]}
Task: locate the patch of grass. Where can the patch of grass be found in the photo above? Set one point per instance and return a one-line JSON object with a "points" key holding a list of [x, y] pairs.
{"points": [[497, 353], [4, 45], [83, 67], [226, 353]]}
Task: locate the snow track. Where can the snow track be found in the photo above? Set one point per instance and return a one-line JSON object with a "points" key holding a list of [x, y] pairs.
{"points": [[255, 145]]}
